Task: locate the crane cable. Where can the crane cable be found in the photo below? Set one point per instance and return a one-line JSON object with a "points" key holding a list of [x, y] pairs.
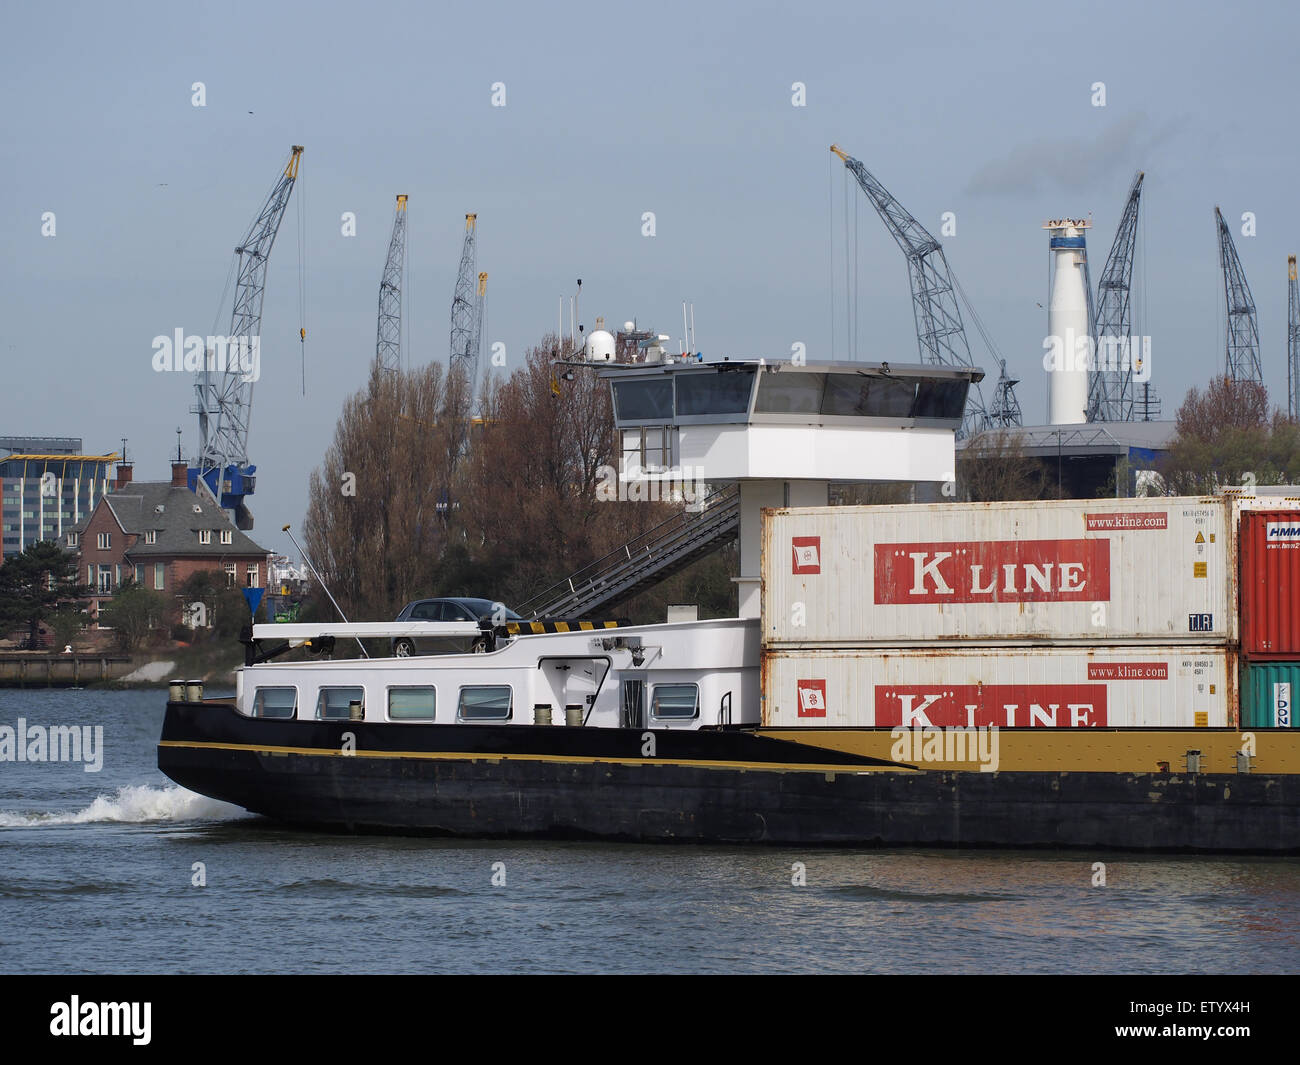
{"points": [[302, 283], [830, 243]]}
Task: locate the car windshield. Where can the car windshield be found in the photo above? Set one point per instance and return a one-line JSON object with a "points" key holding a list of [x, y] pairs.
{"points": [[484, 608]]}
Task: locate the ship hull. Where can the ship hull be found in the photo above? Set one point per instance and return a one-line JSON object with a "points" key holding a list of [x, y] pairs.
{"points": [[501, 781]]}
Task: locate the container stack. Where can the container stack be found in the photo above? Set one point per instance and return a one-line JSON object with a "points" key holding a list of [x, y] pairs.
{"points": [[1044, 614], [1270, 613]]}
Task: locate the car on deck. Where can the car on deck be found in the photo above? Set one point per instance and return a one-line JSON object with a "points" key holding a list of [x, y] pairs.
{"points": [[454, 608]]}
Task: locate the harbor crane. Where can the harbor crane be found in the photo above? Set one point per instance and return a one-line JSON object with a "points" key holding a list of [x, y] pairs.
{"points": [[1004, 412], [1110, 393], [940, 334], [1243, 326], [224, 390], [467, 307], [1292, 342], [388, 343]]}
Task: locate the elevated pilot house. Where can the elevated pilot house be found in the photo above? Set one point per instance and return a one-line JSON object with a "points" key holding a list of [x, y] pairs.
{"points": [[784, 432]]}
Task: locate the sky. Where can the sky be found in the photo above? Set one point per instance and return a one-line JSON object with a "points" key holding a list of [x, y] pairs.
{"points": [[611, 111]]}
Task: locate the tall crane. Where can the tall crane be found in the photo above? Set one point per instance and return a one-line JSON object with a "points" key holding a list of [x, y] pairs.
{"points": [[1004, 412], [940, 335], [224, 390], [466, 308], [1110, 392], [1292, 342], [388, 344], [1243, 327]]}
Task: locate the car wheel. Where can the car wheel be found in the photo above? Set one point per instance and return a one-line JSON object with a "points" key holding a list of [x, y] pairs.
{"points": [[404, 648], [479, 646]]}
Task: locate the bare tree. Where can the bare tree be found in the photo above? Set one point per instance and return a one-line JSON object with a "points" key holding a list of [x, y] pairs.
{"points": [[1225, 437], [996, 466]]}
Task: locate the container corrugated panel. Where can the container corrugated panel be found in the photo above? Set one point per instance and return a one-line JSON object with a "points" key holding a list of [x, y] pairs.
{"points": [[1268, 693], [1270, 582], [1087, 571], [1062, 687]]}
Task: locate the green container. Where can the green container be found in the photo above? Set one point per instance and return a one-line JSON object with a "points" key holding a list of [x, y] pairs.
{"points": [[1268, 694]]}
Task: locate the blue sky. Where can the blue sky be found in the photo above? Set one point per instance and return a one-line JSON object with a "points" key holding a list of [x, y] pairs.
{"points": [[611, 111]]}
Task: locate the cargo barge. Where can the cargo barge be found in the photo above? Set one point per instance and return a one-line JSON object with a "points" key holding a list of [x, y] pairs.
{"points": [[1055, 674]]}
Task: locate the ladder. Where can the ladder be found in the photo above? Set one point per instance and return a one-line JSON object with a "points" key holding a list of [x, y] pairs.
{"points": [[657, 553]]}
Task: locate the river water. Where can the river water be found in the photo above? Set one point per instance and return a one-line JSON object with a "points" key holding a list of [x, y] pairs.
{"points": [[99, 873]]}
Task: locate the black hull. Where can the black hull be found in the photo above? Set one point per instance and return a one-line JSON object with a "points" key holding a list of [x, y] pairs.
{"points": [[718, 787]]}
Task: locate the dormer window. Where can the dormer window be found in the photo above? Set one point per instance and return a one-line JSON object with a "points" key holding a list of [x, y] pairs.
{"points": [[205, 536], [151, 536], [227, 536], [73, 539]]}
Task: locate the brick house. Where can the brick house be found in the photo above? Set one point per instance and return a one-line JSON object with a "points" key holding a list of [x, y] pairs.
{"points": [[159, 534]]}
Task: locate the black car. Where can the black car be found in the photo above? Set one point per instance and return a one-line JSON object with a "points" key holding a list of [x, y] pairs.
{"points": [[451, 609]]}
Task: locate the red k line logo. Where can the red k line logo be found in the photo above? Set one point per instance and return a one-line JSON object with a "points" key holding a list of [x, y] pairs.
{"points": [[812, 698], [807, 551], [994, 571], [1004, 705]]}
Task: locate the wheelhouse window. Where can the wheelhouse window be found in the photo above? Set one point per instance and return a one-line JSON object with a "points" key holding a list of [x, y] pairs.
{"points": [[412, 703], [484, 703], [864, 395], [724, 392], [334, 704], [941, 399], [675, 701], [275, 702], [790, 393], [642, 399]]}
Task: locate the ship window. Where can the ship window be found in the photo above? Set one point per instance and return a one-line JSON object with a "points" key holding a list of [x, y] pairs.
{"points": [[484, 703], [275, 702], [790, 393], [332, 703], [941, 399], [714, 393], [412, 704], [644, 399], [675, 700], [860, 395]]}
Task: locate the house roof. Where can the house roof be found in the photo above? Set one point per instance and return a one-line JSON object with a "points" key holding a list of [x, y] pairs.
{"points": [[177, 515]]}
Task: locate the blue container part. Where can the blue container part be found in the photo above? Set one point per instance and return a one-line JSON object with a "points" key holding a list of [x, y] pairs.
{"points": [[1268, 694]]}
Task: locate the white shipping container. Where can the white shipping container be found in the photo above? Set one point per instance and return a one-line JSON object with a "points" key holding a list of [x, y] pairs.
{"points": [[1087, 571], [1061, 687]]}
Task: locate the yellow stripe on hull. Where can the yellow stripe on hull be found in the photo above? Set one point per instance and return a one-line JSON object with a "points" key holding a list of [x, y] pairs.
{"points": [[474, 756], [1083, 750]]}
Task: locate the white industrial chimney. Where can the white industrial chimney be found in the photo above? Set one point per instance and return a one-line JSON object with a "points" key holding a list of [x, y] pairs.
{"points": [[1068, 327]]}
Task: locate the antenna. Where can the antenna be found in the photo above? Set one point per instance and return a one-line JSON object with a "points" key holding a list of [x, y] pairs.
{"points": [[178, 444]]}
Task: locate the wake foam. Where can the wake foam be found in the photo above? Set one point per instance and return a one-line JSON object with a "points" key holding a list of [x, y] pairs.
{"points": [[133, 804]]}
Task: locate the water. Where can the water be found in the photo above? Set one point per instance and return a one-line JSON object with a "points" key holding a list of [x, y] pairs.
{"points": [[96, 875]]}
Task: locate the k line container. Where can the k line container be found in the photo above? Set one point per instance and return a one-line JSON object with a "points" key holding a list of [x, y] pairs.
{"points": [[1270, 582], [1268, 693], [1084, 571], [1062, 687]]}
